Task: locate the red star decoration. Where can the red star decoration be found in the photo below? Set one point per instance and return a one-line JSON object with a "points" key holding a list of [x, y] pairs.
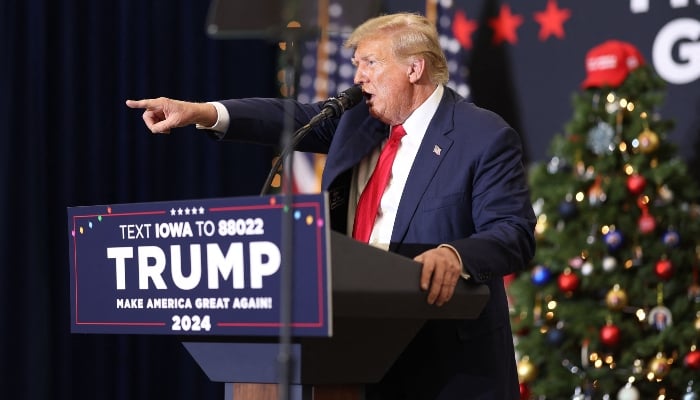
{"points": [[505, 25], [552, 20], [462, 29]]}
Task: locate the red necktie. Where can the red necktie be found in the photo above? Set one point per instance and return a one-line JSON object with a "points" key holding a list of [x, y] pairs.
{"points": [[368, 206]]}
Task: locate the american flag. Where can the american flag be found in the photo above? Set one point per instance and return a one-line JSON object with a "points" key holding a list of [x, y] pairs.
{"points": [[450, 24], [326, 69]]}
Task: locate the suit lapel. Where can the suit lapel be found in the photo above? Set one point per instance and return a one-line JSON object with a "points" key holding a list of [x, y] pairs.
{"points": [[354, 139], [433, 149], [353, 142]]}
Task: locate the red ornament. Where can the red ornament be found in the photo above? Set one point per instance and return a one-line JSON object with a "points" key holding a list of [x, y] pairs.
{"points": [[568, 281], [692, 359], [524, 391], [664, 269], [646, 224], [636, 184], [610, 335]]}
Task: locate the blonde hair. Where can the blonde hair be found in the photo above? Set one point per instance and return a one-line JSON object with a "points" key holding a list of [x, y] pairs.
{"points": [[412, 35]]}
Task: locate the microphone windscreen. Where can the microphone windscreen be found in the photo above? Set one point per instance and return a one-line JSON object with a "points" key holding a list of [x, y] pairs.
{"points": [[351, 96]]}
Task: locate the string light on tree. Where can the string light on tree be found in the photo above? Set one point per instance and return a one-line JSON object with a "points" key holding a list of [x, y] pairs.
{"points": [[609, 263]]}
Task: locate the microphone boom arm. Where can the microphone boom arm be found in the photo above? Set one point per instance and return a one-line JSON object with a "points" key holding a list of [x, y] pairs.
{"points": [[332, 108], [296, 138]]}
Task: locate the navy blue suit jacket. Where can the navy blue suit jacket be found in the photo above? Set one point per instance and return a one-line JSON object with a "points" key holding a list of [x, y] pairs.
{"points": [[468, 188]]}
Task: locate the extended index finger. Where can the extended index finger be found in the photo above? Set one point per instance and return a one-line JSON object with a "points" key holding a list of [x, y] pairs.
{"points": [[144, 103]]}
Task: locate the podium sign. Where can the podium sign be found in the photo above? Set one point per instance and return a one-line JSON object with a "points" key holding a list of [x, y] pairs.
{"points": [[199, 267]]}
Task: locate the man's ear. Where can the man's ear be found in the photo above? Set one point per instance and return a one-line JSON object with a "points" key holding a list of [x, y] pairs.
{"points": [[416, 69]]}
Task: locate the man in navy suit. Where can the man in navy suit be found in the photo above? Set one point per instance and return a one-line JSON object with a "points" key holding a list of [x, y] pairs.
{"points": [[458, 188]]}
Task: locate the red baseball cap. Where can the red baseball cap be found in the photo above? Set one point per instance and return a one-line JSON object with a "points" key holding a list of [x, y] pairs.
{"points": [[609, 63]]}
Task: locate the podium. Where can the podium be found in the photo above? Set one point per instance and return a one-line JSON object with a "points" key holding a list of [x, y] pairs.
{"points": [[377, 310], [189, 267]]}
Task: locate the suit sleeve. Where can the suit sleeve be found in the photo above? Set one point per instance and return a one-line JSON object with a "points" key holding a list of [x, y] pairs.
{"points": [[504, 221], [263, 121]]}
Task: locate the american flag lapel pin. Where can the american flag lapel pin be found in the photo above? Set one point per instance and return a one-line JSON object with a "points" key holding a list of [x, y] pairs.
{"points": [[437, 150]]}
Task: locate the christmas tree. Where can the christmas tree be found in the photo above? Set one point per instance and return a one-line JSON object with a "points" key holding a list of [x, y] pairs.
{"points": [[610, 308]]}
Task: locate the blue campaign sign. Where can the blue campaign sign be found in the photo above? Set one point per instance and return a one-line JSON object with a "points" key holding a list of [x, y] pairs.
{"points": [[199, 267]]}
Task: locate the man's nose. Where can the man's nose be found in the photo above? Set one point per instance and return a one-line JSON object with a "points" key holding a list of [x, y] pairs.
{"points": [[359, 77]]}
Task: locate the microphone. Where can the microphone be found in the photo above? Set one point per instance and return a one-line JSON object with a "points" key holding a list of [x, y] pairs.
{"points": [[335, 106], [332, 108]]}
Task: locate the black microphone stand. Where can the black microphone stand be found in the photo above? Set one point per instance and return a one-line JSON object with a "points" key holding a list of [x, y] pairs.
{"points": [[333, 107], [284, 358], [288, 141], [257, 19]]}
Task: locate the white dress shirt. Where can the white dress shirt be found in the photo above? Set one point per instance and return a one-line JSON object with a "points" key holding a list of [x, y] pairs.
{"points": [[415, 126]]}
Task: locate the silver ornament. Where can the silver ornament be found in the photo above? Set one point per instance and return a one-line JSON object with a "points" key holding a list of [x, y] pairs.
{"points": [[689, 394], [600, 138], [628, 392]]}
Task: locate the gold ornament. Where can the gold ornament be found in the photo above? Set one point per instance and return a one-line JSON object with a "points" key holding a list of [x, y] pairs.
{"points": [[697, 323], [648, 141], [658, 367], [527, 371], [616, 299]]}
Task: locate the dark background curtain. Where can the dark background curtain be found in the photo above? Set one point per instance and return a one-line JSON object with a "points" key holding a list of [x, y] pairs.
{"points": [[68, 139]]}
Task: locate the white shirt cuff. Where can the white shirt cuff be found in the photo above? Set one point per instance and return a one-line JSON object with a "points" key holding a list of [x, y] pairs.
{"points": [[223, 119]]}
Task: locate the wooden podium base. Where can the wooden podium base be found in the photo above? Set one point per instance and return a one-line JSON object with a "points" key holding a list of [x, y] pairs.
{"points": [[337, 392], [270, 391]]}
